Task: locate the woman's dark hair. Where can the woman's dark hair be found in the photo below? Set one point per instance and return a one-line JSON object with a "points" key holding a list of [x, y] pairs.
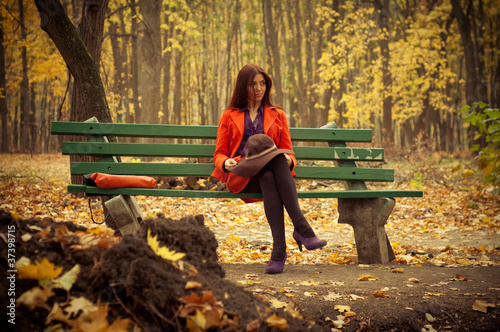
{"points": [[245, 77]]}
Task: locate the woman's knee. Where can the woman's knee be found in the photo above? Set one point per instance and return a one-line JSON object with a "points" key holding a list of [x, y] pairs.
{"points": [[266, 176]]}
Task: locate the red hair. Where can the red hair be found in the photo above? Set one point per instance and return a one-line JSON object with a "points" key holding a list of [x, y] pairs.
{"points": [[246, 75]]}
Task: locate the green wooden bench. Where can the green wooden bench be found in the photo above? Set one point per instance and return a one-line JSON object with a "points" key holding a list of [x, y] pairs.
{"points": [[365, 209]]}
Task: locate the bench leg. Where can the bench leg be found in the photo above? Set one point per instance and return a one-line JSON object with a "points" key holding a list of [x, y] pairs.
{"points": [[125, 213], [367, 216], [134, 207]]}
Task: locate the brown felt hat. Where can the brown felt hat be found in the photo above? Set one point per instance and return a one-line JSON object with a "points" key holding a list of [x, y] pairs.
{"points": [[260, 150]]}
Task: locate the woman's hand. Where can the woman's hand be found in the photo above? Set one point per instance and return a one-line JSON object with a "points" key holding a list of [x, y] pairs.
{"points": [[230, 163], [288, 159]]}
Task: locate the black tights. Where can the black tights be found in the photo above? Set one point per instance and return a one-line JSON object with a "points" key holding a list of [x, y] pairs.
{"points": [[278, 189]]}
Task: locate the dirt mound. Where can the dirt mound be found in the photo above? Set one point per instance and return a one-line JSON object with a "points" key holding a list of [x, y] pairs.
{"points": [[125, 279]]}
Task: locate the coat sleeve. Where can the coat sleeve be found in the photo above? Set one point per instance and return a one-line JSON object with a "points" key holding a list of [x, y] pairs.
{"points": [[286, 138], [222, 143]]}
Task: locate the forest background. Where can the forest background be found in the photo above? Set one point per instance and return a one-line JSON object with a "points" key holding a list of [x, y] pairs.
{"points": [[403, 68]]}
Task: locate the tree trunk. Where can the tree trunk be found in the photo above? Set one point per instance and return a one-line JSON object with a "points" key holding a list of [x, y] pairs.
{"points": [[476, 89], [383, 15], [177, 87], [79, 58], [25, 98], [232, 33], [34, 140], [475, 83], [340, 105], [125, 79], [167, 60], [15, 129], [151, 45], [118, 87], [202, 94], [44, 120], [88, 99], [297, 58], [272, 44], [309, 36], [292, 82], [299, 111], [178, 58], [134, 66], [3, 100], [328, 92]]}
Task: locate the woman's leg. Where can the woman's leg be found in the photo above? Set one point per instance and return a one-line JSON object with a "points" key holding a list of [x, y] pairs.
{"points": [[273, 207], [285, 187], [278, 189]]}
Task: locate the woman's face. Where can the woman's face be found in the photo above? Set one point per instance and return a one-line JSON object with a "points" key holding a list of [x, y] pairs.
{"points": [[256, 89]]}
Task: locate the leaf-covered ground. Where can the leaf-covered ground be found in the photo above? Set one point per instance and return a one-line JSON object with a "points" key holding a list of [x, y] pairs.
{"points": [[455, 225]]}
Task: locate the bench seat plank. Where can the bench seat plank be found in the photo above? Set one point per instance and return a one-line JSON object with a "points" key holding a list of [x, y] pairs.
{"points": [[207, 150], [186, 169], [181, 131], [226, 194]]}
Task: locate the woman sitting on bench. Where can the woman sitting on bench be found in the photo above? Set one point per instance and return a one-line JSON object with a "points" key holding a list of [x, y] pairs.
{"points": [[254, 154]]}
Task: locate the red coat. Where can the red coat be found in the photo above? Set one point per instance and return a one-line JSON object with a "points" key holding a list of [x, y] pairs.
{"points": [[230, 135]]}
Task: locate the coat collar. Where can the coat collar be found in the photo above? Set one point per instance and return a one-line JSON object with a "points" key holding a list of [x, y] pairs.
{"points": [[270, 115]]}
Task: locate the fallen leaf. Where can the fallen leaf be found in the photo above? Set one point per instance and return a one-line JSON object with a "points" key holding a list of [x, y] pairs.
{"points": [[414, 280], [39, 271], [208, 311], [430, 318], [338, 324], [287, 290], [22, 262], [196, 323], [26, 237], [35, 298], [482, 306], [309, 283], [332, 296], [461, 277], [163, 252], [56, 313], [349, 314], [97, 321], [367, 277], [275, 303], [67, 280], [428, 328], [81, 307], [342, 308], [356, 297], [253, 325], [401, 270], [294, 312], [192, 284], [276, 321], [380, 294]]}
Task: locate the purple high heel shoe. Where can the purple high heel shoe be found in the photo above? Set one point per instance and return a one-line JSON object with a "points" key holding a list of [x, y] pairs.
{"points": [[275, 267], [311, 243]]}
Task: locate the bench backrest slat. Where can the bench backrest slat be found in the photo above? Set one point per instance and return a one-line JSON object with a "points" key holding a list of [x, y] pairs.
{"points": [[207, 150], [333, 138], [179, 131], [187, 169]]}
